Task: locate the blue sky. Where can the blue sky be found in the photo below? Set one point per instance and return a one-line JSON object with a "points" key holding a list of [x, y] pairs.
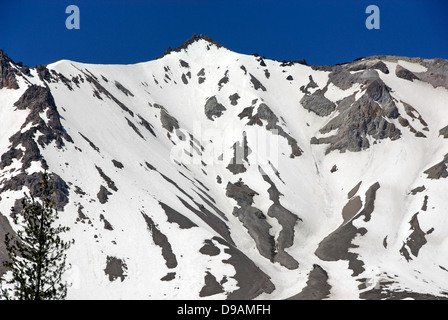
{"points": [[321, 32]]}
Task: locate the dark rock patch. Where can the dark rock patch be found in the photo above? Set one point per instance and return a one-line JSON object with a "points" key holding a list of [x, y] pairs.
{"points": [[444, 132], [108, 180], [60, 77], [162, 241], [247, 112], [36, 99], [32, 182], [318, 103], [248, 287], [437, 73], [194, 38], [8, 157], [43, 73], [123, 89], [223, 80], [103, 194], [184, 78], [210, 219], [425, 203], [169, 276], [213, 108], [5, 228], [380, 65], [404, 73], [262, 63], [337, 244], [168, 121], [439, 170], [351, 208], [150, 167], [184, 63], [310, 84], [115, 268], [134, 127], [7, 72], [147, 125], [252, 218], [414, 114], [267, 74], [415, 241], [209, 201], [265, 113], [203, 186], [317, 287], [234, 99], [176, 217], [107, 224], [366, 116], [240, 154], [117, 164], [209, 248], [417, 190], [175, 185], [81, 215], [287, 220], [94, 147], [341, 78], [101, 90], [201, 76], [256, 83], [346, 102], [211, 286]]}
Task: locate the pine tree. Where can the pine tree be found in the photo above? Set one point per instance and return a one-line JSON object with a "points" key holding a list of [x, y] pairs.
{"points": [[37, 257]]}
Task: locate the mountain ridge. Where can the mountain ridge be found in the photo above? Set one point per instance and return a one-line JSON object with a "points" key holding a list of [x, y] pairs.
{"points": [[235, 176]]}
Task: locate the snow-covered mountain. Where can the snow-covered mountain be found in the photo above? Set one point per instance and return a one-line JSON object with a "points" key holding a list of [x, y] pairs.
{"points": [[212, 174]]}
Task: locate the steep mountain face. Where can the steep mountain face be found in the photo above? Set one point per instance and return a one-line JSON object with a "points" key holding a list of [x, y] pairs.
{"points": [[211, 174]]}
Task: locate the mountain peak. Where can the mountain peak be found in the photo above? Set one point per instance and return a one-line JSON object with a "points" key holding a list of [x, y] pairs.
{"points": [[194, 38], [226, 173]]}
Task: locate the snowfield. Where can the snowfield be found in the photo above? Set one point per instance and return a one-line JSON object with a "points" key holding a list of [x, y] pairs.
{"points": [[208, 174]]}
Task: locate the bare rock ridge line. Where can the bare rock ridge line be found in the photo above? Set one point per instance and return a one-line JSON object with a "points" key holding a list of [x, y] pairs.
{"points": [[195, 37]]}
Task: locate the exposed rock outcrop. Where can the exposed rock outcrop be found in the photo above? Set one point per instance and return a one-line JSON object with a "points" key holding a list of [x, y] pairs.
{"points": [[367, 116], [213, 108]]}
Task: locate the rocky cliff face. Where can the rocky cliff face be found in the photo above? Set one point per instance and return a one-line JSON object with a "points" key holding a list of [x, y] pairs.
{"points": [[211, 174], [7, 72]]}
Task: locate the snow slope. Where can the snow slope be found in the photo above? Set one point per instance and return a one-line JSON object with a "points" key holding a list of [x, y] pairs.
{"points": [[336, 187]]}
